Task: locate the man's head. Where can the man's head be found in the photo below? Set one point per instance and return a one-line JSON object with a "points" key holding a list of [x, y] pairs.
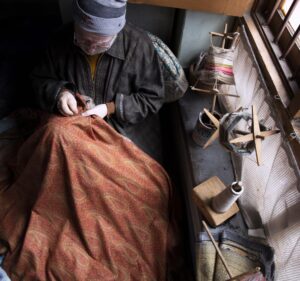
{"points": [[97, 22]]}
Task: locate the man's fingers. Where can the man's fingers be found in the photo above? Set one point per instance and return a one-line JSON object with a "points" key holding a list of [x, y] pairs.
{"points": [[67, 104], [60, 109], [62, 113], [65, 109], [72, 103]]}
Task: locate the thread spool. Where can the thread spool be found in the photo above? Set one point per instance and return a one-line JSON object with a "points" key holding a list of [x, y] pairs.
{"points": [[225, 199]]}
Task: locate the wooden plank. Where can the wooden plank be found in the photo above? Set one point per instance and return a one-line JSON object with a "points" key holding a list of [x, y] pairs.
{"points": [[238, 8], [245, 138], [202, 196], [249, 137], [227, 7]]}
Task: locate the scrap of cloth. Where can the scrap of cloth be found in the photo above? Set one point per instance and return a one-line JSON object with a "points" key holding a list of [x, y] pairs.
{"points": [[84, 203]]}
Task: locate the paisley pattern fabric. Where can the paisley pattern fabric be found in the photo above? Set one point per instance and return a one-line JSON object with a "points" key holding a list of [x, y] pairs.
{"points": [[85, 204]]}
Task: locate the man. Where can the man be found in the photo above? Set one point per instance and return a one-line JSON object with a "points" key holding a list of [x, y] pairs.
{"points": [[106, 59], [86, 204]]}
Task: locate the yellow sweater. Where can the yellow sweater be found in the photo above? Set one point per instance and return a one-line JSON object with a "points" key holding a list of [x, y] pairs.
{"points": [[93, 60]]}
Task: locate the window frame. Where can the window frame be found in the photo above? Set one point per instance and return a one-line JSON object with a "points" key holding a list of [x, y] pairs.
{"points": [[286, 67], [280, 94]]}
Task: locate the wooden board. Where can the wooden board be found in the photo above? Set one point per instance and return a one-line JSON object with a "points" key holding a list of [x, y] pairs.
{"points": [[202, 196], [226, 7]]}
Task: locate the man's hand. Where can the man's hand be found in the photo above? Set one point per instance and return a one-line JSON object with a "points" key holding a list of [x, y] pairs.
{"points": [[67, 104], [99, 110]]}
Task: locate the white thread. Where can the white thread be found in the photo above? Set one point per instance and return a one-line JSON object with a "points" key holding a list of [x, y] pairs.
{"points": [[225, 199]]}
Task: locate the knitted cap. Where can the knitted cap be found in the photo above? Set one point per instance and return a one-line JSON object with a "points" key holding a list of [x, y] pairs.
{"points": [[106, 17]]}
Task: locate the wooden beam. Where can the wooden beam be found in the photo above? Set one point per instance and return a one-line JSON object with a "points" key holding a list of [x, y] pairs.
{"points": [[226, 7]]}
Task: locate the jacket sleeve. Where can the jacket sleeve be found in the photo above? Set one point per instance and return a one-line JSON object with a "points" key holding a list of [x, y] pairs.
{"points": [[46, 82], [147, 82]]}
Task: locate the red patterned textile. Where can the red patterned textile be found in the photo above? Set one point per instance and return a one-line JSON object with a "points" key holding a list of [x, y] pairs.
{"points": [[85, 204]]}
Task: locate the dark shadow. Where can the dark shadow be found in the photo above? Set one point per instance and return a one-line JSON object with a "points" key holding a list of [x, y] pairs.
{"points": [[25, 27]]}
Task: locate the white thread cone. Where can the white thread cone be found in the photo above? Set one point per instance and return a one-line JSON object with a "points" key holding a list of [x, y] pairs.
{"points": [[225, 199]]}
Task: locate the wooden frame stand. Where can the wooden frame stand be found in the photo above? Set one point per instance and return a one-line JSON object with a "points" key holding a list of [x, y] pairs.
{"points": [[202, 196]]}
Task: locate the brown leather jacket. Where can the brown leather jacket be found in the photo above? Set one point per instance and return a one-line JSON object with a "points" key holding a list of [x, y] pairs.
{"points": [[128, 74]]}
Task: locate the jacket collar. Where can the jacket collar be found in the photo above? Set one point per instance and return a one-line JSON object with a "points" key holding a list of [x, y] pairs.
{"points": [[117, 49]]}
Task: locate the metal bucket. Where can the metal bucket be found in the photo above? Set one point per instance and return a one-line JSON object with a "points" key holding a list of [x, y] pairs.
{"points": [[204, 128]]}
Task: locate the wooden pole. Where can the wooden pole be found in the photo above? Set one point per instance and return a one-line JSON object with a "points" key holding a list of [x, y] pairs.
{"points": [[211, 92], [213, 104], [217, 249], [215, 91]]}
